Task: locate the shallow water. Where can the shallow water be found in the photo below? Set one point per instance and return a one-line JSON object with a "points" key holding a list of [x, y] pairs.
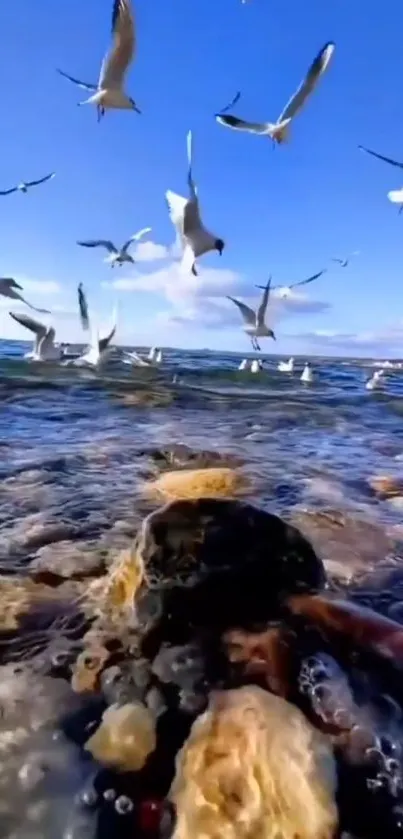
{"points": [[74, 455]]}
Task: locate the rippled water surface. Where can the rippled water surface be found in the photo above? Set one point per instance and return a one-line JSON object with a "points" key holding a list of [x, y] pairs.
{"points": [[75, 453]]}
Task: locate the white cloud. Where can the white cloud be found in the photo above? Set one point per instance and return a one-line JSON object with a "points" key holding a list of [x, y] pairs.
{"points": [[202, 300], [390, 337], [151, 252], [38, 286]]}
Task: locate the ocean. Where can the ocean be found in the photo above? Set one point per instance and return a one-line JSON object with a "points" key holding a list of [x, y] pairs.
{"points": [[76, 448]]}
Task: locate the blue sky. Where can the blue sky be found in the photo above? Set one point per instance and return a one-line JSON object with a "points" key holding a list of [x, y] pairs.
{"points": [[285, 212]]}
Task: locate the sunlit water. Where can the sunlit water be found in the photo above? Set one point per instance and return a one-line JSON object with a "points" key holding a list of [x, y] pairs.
{"points": [[74, 454]]}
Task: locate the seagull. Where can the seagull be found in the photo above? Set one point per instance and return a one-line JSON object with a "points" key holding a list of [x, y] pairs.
{"points": [[99, 347], [307, 375], [191, 234], [256, 366], [287, 289], [255, 325], [244, 364], [394, 195], [375, 381], [109, 93], [44, 348], [116, 256], [278, 131], [83, 307], [136, 360], [24, 186], [286, 366], [345, 262], [8, 288]]}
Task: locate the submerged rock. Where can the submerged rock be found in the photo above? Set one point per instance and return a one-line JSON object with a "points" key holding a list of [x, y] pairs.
{"points": [[125, 737], [215, 482]]}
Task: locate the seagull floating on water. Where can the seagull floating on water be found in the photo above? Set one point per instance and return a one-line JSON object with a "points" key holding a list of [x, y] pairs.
{"points": [[8, 288], [99, 348], [116, 256], [244, 364], [44, 348], [24, 186], [278, 131], [256, 366], [394, 195], [307, 375], [286, 366], [109, 91], [191, 234], [255, 325], [287, 289]]}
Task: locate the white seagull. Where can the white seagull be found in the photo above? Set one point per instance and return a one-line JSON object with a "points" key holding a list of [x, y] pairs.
{"points": [[255, 325], [375, 381], [307, 375], [116, 256], [278, 131], [256, 366], [287, 289], [394, 195], [99, 348], [286, 366], [109, 93], [24, 186], [8, 288], [44, 348], [191, 234], [244, 364]]}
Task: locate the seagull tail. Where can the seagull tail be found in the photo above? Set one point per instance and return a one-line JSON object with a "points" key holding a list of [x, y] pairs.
{"points": [[279, 131]]}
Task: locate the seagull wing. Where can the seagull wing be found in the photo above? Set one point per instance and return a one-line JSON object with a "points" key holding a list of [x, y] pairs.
{"points": [[237, 124], [84, 85], [83, 307], [231, 104], [34, 308], [9, 191], [316, 70], [136, 237], [336, 259], [309, 280], [191, 217], [95, 243], [35, 326], [105, 339], [189, 149], [41, 180], [248, 314], [382, 157], [261, 312], [176, 207], [118, 58]]}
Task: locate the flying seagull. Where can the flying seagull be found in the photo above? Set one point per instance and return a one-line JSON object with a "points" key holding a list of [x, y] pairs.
{"points": [[8, 288], [394, 195], [83, 307], [184, 213], [254, 322], [286, 289], [109, 92], [344, 262], [44, 348], [24, 186], [278, 131], [116, 256]]}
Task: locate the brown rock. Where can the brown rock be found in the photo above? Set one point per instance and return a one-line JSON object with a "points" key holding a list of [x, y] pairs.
{"points": [[386, 486], [347, 545], [45, 533], [217, 482], [67, 560]]}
